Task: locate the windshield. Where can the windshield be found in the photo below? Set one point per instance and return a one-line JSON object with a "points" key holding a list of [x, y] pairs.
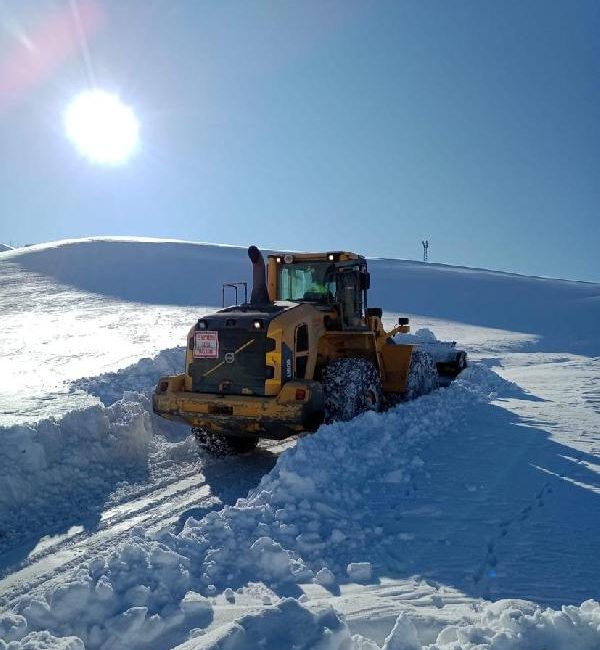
{"points": [[313, 281]]}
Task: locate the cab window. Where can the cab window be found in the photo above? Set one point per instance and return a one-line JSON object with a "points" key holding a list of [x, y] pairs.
{"points": [[313, 282]]}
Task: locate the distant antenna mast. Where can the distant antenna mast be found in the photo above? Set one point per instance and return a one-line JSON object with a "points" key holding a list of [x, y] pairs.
{"points": [[425, 243]]}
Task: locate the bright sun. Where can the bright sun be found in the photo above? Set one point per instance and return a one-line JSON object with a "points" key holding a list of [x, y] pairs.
{"points": [[102, 127]]}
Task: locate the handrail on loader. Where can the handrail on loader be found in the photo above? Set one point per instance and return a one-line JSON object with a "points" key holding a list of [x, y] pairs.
{"points": [[234, 285]]}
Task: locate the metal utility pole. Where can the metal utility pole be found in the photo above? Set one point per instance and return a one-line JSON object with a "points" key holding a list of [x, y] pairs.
{"points": [[425, 243]]}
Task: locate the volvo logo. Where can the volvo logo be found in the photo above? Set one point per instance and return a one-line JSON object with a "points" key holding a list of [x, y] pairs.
{"points": [[230, 357]]}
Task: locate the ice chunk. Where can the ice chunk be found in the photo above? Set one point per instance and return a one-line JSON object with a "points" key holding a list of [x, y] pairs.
{"points": [[325, 577], [359, 571]]}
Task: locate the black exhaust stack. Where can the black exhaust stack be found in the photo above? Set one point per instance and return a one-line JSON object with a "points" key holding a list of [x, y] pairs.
{"points": [[259, 294]]}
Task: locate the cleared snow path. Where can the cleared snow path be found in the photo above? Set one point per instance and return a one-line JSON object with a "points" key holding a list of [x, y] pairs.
{"points": [[75, 485], [168, 505]]}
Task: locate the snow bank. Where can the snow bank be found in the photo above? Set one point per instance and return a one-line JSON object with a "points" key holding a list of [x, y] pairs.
{"points": [[512, 625], [76, 457], [140, 377], [146, 603], [54, 452], [44, 641], [311, 512], [505, 625], [310, 519], [287, 625]]}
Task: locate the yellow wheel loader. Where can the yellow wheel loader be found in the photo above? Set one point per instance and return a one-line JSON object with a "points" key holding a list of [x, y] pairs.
{"points": [[306, 349]]}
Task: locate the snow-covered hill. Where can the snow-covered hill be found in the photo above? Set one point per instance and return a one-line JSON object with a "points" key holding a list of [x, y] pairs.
{"points": [[4, 247], [562, 315], [116, 532]]}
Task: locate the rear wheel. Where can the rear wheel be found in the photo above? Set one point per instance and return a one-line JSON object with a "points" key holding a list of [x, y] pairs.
{"points": [[422, 375], [222, 444], [351, 386]]}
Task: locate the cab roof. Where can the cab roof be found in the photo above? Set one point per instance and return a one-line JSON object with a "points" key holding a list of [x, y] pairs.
{"points": [[333, 256]]}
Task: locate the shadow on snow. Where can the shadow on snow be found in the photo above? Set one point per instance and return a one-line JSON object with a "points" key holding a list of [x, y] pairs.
{"points": [[504, 511]]}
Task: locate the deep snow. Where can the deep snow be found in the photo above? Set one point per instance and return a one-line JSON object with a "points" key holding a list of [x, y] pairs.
{"points": [[449, 522]]}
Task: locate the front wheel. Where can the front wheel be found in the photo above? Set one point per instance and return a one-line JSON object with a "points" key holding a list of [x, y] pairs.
{"points": [[422, 375], [351, 386]]}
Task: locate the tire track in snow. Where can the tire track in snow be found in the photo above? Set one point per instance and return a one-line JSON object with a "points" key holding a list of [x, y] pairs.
{"points": [[71, 549], [157, 509], [592, 398]]}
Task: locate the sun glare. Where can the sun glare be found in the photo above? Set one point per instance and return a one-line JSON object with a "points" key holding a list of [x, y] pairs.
{"points": [[102, 127]]}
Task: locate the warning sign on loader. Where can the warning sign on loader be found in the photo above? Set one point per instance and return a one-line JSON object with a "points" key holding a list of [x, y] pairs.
{"points": [[206, 345]]}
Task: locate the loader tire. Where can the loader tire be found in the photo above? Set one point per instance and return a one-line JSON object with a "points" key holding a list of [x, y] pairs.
{"points": [[351, 386], [422, 375]]}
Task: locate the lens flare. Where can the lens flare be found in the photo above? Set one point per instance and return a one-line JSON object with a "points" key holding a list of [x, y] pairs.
{"points": [[102, 127]]}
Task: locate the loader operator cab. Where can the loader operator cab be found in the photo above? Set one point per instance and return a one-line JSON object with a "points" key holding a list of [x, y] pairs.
{"points": [[338, 281]]}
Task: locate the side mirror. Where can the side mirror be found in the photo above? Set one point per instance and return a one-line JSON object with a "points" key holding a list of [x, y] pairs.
{"points": [[365, 281]]}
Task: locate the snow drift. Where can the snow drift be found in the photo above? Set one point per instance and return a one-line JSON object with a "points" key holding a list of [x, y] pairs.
{"points": [[306, 521], [82, 456], [508, 625], [140, 377], [77, 459], [505, 625], [305, 516]]}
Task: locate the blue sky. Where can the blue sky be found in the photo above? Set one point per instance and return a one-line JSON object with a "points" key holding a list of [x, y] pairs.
{"points": [[366, 125]]}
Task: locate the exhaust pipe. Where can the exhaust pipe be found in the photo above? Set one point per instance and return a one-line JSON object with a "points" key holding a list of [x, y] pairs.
{"points": [[259, 294]]}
